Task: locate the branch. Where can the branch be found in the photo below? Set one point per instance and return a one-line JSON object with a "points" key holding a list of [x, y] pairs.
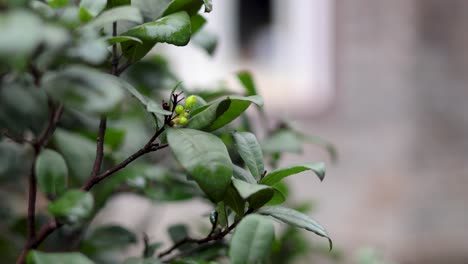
{"points": [[99, 148], [38, 145], [149, 147], [209, 238]]}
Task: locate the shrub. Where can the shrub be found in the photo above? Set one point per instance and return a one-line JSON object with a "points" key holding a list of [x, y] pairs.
{"points": [[84, 112]]}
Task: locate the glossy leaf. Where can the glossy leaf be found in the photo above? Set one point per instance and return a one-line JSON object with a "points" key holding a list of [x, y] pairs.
{"points": [[221, 112], [252, 240], [51, 172], [256, 194], [85, 89], [189, 6], [197, 22], [282, 141], [109, 237], [234, 201], [120, 39], [275, 176], [151, 9], [123, 13], [206, 40], [20, 33], [78, 152], [331, 149], [247, 82], [151, 106], [247, 145], [241, 174], [38, 257], [295, 218], [115, 3], [278, 197], [73, 206], [205, 157], [92, 7], [172, 29]]}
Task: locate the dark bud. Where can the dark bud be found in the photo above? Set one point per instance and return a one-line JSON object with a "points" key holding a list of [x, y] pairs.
{"points": [[165, 105]]}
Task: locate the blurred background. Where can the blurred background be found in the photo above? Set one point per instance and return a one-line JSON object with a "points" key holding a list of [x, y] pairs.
{"points": [[386, 82]]}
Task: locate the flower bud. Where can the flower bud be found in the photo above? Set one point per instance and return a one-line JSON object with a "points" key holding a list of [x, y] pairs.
{"points": [[183, 120], [190, 101], [179, 109]]}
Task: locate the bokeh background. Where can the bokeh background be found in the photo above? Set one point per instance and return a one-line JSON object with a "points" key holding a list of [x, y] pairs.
{"points": [[386, 82]]}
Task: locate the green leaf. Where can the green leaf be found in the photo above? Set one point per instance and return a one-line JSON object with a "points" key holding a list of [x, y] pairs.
{"points": [[197, 22], [123, 13], [115, 3], [85, 89], [172, 29], [234, 201], [78, 151], [73, 206], [136, 260], [205, 157], [51, 172], [37, 257], [151, 9], [252, 240], [277, 175], [241, 174], [295, 218], [93, 7], [177, 232], [20, 33], [222, 213], [256, 194], [109, 237], [151, 106], [120, 39], [190, 6], [250, 152], [322, 142], [278, 197], [221, 112], [282, 141], [150, 249], [247, 82], [156, 108], [58, 3], [208, 5], [206, 40]]}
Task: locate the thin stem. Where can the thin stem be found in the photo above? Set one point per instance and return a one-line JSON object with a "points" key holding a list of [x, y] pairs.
{"points": [[115, 56], [149, 147], [99, 148], [38, 145], [210, 237]]}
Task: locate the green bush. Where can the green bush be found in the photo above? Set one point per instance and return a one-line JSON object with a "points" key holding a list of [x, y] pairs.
{"points": [[83, 109]]}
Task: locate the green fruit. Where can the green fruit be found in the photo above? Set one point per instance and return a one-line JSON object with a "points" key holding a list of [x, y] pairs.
{"points": [[183, 120], [179, 109], [190, 101], [185, 114]]}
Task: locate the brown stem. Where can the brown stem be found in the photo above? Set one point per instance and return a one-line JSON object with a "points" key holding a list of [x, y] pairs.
{"points": [[149, 147], [115, 57], [99, 148], [38, 145], [207, 239]]}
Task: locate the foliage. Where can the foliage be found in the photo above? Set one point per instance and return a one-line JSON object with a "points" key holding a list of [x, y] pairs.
{"points": [[83, 107]]}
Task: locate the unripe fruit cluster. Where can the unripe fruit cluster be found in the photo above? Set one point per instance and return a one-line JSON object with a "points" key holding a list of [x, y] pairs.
{"points": [[182, 112]]}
